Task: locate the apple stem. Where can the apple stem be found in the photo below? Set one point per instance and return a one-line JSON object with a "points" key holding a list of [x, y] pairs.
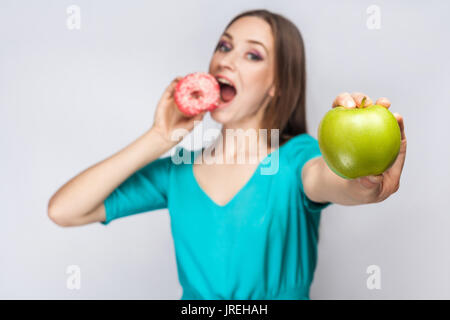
{"points": [[363, 101]]}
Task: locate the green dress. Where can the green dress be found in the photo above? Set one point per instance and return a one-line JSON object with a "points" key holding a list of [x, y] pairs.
{"points": [[261, 245]]}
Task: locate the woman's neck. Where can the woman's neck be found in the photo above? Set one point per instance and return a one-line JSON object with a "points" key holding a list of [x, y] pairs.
{"points": [[246, 143]]}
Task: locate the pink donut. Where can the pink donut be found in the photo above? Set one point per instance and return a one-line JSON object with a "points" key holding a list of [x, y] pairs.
{"points": [[197, 92]]}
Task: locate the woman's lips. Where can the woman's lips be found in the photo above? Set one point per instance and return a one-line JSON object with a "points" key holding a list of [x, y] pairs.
{"points": [[221, 103]]}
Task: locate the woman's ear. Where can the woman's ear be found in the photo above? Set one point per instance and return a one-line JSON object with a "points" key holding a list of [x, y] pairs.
{"points": [[272, 91]]}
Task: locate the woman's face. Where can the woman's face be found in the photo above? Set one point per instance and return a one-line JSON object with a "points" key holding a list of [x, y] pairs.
{"points": [[245, 56]]}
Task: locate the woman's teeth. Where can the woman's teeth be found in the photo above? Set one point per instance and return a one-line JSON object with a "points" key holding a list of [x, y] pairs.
{"points": [[224, 81]]}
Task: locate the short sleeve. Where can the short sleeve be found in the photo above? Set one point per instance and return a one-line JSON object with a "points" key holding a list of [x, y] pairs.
{"points": [[143, 191], [304, 148]]}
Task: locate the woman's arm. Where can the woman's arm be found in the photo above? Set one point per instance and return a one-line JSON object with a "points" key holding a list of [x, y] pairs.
{"points": [[321, 184], [80, 201]]}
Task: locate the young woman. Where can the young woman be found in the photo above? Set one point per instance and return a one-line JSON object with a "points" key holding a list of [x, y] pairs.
{"points": [[238, 234]]}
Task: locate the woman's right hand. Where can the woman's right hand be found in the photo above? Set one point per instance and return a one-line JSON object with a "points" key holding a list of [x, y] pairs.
{"points": [[169, 118]]}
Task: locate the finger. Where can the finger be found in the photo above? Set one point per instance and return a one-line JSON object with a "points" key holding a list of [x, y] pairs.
{"points": [[170, 90], [358, 97], [395, 171], [400, 124], [200, 115], [176, 80], [384, 102], [371, 182], [393, 174], [345, 100]]}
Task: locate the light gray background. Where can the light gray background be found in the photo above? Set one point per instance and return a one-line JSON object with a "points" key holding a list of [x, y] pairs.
{"points": [[69, 99]]}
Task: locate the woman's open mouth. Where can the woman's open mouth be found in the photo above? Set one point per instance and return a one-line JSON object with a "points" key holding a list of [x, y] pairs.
{"points": [[227, 91]]}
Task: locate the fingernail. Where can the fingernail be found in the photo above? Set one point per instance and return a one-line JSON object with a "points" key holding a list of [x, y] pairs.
{"points": [[373, 179], [350, 103]]}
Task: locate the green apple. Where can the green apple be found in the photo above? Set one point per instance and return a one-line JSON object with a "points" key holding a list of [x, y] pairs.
{"points": [[359, 142]]}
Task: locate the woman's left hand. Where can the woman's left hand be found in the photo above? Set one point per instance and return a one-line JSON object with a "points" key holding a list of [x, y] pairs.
{"points": [[387, 183]]}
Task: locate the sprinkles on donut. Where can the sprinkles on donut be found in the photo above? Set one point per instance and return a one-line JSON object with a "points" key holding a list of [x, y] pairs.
{"points": [[197, 92]]}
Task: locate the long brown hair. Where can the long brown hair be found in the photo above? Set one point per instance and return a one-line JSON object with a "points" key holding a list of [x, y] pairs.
{"points": [[286, 110]]}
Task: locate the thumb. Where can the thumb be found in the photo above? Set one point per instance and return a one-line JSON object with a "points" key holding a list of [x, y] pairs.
{"points": [[200, 115], [170, 90], [371, 182]]}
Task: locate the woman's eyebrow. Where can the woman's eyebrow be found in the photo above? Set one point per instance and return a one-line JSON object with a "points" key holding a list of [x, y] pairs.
{"points": [[250, 41]]}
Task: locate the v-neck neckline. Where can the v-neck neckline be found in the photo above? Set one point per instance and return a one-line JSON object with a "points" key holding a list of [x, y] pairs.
{"points": [[241, 190]]}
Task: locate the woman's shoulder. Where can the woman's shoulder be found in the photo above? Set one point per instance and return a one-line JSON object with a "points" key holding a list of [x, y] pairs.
{"points": [[299, 142], [299, 149]]}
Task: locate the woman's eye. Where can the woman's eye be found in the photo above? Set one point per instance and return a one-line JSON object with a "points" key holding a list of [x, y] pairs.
{"points": [[254, 56], [221, 45]]}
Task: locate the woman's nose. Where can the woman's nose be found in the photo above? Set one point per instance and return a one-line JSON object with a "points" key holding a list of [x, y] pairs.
{"points": [[228, 61]]}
